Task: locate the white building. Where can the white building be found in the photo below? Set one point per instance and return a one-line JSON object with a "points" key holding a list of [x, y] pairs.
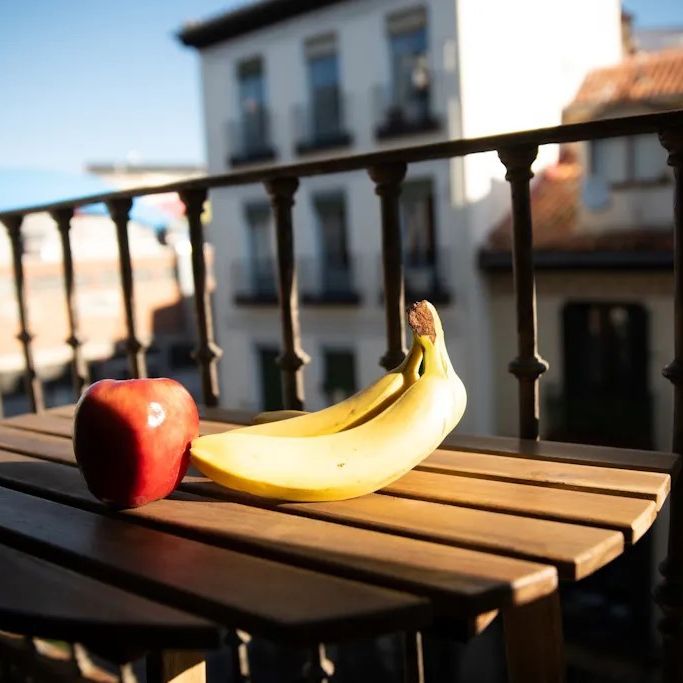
{"points": [[284, 80]]}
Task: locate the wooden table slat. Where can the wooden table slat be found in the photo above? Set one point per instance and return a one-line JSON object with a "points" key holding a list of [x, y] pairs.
{"points": [[460, 581], [231, 588], [580, 454], [653, 486], [632, 516], [40, 423], [44, 600]]}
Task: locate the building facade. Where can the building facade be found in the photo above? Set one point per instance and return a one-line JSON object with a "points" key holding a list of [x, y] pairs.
{"points": [[284, 81]]}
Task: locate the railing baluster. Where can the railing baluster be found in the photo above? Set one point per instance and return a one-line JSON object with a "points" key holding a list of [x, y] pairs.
{"points": [[292, 359], [413, 671], [528, 366], [208, 352], [238, 641], [388, 179], [119, 210], [79, 370], [669, 593], [318, 668], [34, 388]]}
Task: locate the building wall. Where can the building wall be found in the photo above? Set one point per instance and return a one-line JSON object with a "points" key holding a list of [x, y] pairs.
{"points": [[487, 65], [363, 61], [633, 204], [653, 290]]}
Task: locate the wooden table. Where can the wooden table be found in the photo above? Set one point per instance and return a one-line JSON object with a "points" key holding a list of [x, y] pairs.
{"points": [[482, 526]]}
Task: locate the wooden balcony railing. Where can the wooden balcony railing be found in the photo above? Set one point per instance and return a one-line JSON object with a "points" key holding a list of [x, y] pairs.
{"points": [[387, 170]]}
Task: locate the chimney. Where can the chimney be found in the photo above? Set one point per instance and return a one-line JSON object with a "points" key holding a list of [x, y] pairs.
{"points": [[628, 44]]}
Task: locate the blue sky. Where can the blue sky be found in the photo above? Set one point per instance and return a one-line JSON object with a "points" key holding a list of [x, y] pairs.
{"points": [[97, 80]]}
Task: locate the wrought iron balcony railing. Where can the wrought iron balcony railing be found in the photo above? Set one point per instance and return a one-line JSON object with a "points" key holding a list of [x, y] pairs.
{"points": [[250, 138], [387, 170], [254, 281], [406, 111], [321, 123], [324, 282]]}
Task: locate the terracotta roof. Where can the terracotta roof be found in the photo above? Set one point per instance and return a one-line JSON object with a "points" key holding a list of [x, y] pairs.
{"points": [[644, 77], [555, 201], [555, 194]]}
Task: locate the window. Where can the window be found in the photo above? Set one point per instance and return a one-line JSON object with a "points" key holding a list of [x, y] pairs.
{"points": [[649, 158], [261, 263], [633, 159], [330, 211], [340, 374], [608, 159], [252, 105], [410, 77], [323, 79], [271, 379], [423, 276], [417, 223]]}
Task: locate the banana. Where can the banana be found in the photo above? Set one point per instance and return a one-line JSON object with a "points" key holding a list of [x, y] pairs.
{"points": [[350, 412], [354, 461]]}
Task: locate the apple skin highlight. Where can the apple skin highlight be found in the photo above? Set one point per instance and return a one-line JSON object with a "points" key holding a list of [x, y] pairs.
{"points": [[132, 439]]}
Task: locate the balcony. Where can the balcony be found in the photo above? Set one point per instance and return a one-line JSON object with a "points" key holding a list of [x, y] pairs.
{"points": [[410, 112], [327, 284], [321, 123], [517, 152], [254, 283], [250, 138]]}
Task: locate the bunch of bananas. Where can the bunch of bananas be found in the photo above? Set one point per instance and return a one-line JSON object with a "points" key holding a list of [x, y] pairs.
{"points": [[354, 447]]}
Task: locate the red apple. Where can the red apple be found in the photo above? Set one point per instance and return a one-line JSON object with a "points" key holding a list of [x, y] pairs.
{"points": [[132, 438]]}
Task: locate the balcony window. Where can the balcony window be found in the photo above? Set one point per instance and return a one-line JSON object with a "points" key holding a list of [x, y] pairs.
{"points": [[339, 373], [254, 279], [634, 160], [321, 121], [406, 105], [250, 134], [333, 281], [423, 274]]}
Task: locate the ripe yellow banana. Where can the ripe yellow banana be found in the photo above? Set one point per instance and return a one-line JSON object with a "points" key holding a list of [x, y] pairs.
{"points": [[354, 461], [349, 413]]}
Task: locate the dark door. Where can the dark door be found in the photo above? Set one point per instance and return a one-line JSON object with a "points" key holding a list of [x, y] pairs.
{"points": [[606, 394]]}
